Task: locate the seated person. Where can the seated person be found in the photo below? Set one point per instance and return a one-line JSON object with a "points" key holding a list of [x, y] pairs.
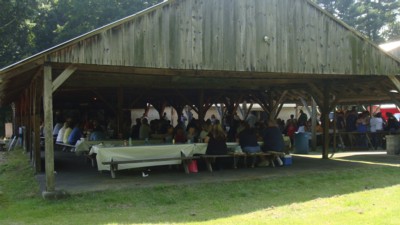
{"points": [[272, 137], [204, 132], [169, 135], [67, 132], [60, 135], [57, 127], [216, 140], [97, 134], [248, 140], [180, 136], [273, 141], [191, 135], [75, 135]]}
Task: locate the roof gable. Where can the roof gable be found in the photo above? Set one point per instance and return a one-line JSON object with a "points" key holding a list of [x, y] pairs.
{"points": [[233, 35]]}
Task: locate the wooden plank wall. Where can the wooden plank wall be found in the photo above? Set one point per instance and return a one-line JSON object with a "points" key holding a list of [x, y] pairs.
{"points": [[396, 52], [229, 35]]}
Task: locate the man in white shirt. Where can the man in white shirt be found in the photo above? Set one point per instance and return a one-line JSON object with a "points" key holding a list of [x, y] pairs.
{"points": [[376, 126]]}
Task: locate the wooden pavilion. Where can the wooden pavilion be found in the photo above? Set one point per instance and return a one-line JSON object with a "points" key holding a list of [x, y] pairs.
{"points": [[199, 52]]}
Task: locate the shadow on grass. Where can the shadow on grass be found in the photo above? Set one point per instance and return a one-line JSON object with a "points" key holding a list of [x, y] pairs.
{"points": [[173, 197]]}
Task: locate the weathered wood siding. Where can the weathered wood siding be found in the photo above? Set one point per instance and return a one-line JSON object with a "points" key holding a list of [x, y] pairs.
{"points": [[229, 35], [396, 52]]}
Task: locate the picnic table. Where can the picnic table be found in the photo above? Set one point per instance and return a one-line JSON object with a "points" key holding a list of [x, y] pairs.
{"points": [[84, 146], [172, 154]]}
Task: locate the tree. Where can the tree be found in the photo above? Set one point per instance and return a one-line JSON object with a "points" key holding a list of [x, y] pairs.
{"points": [[15, 29], [63, 20], [377, 19], [31, 26]]}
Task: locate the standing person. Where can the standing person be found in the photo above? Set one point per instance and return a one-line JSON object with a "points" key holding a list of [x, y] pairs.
{"points": [[392, 123], [145, 130], [302, 119], [216, 140], [340, 123], [136, 129], [213, 119], [351, 120], [376, 127], [251, 119], [291, 129], [165, 117], [362, 123]]}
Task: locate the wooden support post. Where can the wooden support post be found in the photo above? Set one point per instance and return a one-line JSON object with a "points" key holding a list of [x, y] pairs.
{"points": [[35, 131], [120, 117], [306, 105], [313, 125], [278, 111], [29, 123], [325, 112], [48, 126], [36, 141], [201, 107]]}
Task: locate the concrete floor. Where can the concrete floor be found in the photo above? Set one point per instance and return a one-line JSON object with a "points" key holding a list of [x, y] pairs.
{"points": [[74, 175]]}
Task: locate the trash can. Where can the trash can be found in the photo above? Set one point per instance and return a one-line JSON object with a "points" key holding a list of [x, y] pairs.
{"points": [[392, 144], [301, 143]]}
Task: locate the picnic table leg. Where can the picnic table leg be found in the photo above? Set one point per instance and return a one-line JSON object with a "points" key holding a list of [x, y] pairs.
{"points": [[208, 164], [253, 160], [369, 142], [185, 164], [113, 168], [112, 172], [93, 162], [235, 161], [272, 158]]}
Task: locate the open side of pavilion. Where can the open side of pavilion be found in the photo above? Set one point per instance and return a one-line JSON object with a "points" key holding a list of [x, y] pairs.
{"points": [[198, 53]]}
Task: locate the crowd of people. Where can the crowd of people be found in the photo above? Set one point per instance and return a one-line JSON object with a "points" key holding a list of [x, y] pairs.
{"points": [[248, 133]]}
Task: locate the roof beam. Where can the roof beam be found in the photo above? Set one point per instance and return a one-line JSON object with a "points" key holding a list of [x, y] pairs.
{"points": [[395, 81], [63, 77]]}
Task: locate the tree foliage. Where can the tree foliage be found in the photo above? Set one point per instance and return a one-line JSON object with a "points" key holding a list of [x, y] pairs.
{"points": [[30, 26], [379, 20], [16, 29]]}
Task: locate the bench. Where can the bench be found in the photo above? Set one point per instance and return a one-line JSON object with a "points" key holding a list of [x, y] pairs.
{"points": [[270, 156], [185, 162], [65, 146]]}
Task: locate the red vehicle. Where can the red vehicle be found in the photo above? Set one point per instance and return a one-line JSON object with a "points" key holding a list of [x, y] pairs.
{"points": [[385, 109]]}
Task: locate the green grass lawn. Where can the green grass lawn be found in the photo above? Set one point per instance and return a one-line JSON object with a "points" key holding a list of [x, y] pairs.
{"points": [[368, 195]]}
